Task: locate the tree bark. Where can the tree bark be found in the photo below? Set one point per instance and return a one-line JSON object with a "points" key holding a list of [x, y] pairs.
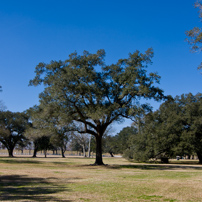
{"points": [[10, 152], [89, 147], [84, 151], [45, 153], [164, 159], [111, 154], [98, 160], [35, 151], [199, 154], [63, 152]]}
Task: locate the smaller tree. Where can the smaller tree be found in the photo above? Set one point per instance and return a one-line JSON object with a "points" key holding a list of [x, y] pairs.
{"points": [[82, 140], [59, 139], [47, 125], [12, 128], [158, 134], [44, 144]]}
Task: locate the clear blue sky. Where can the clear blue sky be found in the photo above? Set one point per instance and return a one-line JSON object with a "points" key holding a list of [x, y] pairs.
{"points": [[41, 31]]}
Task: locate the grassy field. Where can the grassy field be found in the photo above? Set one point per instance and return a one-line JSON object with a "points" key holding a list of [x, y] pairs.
{"points": [[74, 179]]}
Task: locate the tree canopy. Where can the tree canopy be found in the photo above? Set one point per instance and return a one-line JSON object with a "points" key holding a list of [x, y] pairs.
{"points": [[87, 91]]}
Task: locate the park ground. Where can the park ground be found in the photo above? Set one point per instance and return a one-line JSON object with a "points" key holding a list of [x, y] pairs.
{"points": [[75, 179]]}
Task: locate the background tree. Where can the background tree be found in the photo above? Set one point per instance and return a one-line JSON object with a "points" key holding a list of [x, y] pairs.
{"points": [[37, 132], [59, 139], [174, 129], [82, 140], [46, 125], [12, 128], [45, 144], [95, 94], [191, 107], [159, 134], [123, 138], [109, 144]]}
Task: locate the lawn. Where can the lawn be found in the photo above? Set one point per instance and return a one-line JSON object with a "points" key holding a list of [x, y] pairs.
{"points": [[74, 179]]}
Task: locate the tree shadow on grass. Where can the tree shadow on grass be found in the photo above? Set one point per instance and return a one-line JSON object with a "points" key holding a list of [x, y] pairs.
{"points": [[21, 187], [16, 161], [156, 167]]}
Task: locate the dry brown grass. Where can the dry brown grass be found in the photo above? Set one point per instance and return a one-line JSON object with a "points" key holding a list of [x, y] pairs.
{"points": [[73, 179]]}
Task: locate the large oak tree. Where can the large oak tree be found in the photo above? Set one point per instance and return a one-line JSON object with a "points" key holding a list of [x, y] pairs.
{"points": [[94, 94]]}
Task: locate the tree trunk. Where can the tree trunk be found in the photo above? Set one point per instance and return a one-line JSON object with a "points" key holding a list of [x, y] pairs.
{"points": [[35, 151], [111, 154], [63, 152], [164, 159], [84, 151], [10, 152], [89, 147], [199, 154], [98, 160], [45, 153]]}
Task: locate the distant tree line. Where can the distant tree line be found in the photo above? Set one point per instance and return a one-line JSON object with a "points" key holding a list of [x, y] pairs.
{"points": [[175, 129], [23, 131]]}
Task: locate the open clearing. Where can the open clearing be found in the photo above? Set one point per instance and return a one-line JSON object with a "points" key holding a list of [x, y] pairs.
{"points": [[74, 179]]}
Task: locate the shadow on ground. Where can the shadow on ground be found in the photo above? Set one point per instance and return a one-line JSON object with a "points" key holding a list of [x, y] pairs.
{"points": [[21, 187], [156, 167], [19, 160]]}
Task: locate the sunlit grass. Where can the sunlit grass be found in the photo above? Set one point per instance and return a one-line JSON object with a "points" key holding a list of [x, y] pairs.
{"points": [[74, 179]]}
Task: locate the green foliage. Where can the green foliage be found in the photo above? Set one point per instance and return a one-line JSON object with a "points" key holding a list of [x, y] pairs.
{"points": [[160, 134], [192, 123], [174, 129], [123, 138], [119, 143], [109, 145]]}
